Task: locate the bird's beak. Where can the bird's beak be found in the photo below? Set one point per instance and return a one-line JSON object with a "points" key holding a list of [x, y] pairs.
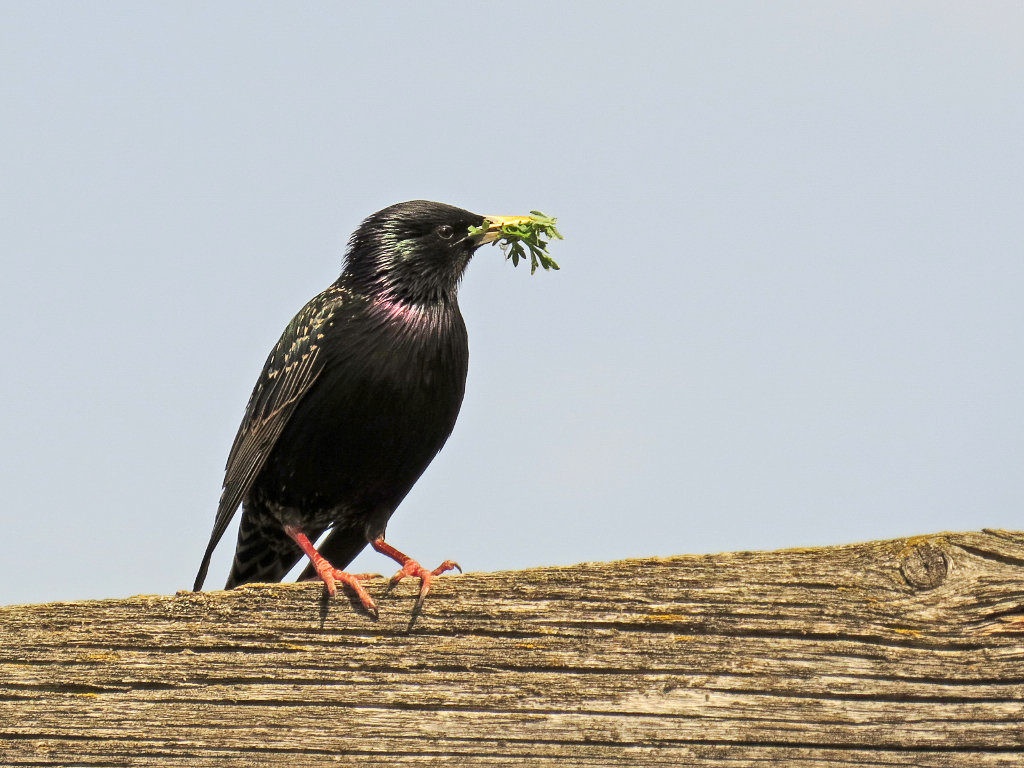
{"points": [[495, 224]]}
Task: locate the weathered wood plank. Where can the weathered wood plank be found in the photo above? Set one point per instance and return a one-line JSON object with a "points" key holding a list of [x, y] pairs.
{"points": [[907, 652]]}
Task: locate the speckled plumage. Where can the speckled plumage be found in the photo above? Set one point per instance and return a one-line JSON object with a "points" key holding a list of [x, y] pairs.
{"points": [[355, 400]]}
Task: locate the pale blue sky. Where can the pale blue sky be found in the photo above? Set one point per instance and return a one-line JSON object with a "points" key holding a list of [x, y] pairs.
{"points": [[790, 311]]}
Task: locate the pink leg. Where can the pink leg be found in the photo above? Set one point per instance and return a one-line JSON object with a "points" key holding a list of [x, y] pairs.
{"points": [[329, 574], [411, 568]]}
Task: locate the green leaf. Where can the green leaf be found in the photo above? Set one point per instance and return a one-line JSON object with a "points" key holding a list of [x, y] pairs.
{"points": [[536, 234]]}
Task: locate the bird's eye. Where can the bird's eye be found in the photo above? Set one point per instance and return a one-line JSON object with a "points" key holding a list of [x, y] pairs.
{"points": [[445, 231]]}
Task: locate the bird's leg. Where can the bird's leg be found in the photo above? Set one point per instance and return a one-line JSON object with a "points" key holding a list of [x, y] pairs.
{"points": [[411, 568], [329, 574]]}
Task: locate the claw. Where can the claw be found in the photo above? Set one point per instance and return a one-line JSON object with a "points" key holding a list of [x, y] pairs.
{"points": [[353, 581], [411, 568], [331, 575]]}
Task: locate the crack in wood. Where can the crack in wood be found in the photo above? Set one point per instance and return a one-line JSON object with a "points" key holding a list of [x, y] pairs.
{"points": [[909, 653]]}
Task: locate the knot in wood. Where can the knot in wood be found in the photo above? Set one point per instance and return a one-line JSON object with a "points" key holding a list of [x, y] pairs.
{"points": [[924, 565]]}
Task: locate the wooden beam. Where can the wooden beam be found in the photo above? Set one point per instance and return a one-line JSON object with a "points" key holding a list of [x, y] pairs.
{"points": [[906, 652]]}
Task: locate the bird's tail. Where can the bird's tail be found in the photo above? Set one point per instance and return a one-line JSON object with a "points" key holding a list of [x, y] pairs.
{"points": [[264, 552]]}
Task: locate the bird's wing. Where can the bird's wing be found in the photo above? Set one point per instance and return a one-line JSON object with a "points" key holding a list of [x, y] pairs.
{"points": [[291, 369]]}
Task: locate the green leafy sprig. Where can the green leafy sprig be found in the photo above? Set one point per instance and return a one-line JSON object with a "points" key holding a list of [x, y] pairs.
{"points": [[535, 234]]}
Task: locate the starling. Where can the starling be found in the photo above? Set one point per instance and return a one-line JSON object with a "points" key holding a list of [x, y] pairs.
{"points": [[360, 393]]}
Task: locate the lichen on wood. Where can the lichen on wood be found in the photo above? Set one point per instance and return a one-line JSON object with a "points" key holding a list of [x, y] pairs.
{"points": [[905, 652]]}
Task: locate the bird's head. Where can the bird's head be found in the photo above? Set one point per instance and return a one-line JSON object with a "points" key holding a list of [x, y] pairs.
{"points": [[416, 252]]}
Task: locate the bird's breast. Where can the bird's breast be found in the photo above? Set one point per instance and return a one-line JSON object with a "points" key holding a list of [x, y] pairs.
{"points": [[383, 406]]}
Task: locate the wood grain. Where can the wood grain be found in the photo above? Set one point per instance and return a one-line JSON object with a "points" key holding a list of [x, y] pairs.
{"points": [[892, 653]]}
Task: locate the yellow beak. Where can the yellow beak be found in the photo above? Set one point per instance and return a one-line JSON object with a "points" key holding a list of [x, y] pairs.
{"points": [[495, 224]]}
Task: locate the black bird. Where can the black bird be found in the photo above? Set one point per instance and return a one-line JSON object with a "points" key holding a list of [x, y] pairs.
{"points": [[360, 393]]}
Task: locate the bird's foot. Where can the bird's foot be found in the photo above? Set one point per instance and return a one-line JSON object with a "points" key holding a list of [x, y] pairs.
{"points": [[411, 568], [331, 575]]}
